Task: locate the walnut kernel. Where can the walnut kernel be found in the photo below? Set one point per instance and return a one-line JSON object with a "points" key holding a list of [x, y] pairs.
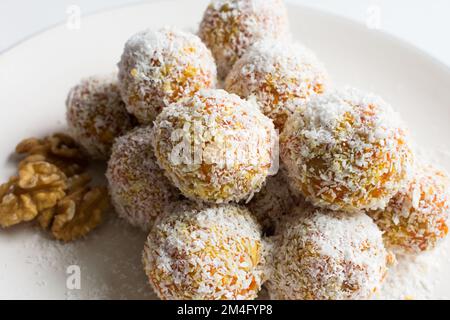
{"points": [[43, 182], [79, 213], [58, 149], [39, 186], [14, 207]]}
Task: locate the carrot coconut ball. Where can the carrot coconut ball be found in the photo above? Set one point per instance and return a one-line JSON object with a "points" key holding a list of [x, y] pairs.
{"points": [[327, 255], [205, 253], [346, 150], [416, 219], [96, 114], [139, 190], [277, 73], [230, 27], [274, 201], [159, 67], [215, 147]]}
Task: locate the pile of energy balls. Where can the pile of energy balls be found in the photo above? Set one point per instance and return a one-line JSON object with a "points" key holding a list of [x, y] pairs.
{"points": [[197, 166]]}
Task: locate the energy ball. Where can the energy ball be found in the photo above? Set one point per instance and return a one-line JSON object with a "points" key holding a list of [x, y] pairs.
{"points": [[139, 190], [346, 150], [230, 27], [327, 255], [96, 115], [277, 73], [215, 147], [205, 253], [416, 219], [275, 200], [159, 67]]}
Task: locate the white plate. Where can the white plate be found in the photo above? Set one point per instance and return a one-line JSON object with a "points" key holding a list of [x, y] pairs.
{"points": [[36, 75]]}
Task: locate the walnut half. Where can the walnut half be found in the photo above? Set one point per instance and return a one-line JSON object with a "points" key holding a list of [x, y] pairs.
{"points": [[74, 183], [79, 212], [14, 207], [39, 186], [58, 149]]}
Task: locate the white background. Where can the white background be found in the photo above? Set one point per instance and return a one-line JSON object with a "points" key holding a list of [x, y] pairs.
{"points": [[425, 23]]}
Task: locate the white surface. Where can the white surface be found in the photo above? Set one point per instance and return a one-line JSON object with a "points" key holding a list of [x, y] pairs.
{"points": [[424, 23], [37, 74]]}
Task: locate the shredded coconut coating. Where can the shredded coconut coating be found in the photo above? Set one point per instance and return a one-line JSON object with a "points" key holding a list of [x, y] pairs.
{"points": [[159, 67], [327, 255], [346, 150], [275, 200], [230, 27], [139, 190], [215, 147], [205, 253], [416, 219], [277, 73], [96, 114]]}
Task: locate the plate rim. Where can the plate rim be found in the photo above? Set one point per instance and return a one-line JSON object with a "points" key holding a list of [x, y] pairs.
{"points": [[422, 56], [406, 44]]}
